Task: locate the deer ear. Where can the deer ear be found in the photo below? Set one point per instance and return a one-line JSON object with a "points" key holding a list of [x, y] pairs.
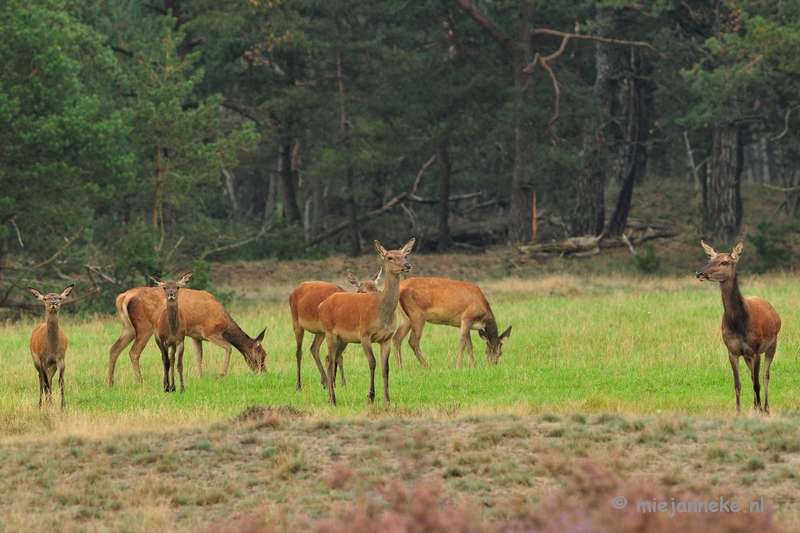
{"points": [[37, 294], [483, 335], [377, 276], [406, 249], [352, 278], [66, 292], [186, 278], [710, 252], [157, 281], [506, 334], [380, 249], [261, 335], [737, 250]]}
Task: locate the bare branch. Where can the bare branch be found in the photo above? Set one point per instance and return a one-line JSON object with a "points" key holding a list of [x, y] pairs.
{"points": [[785, 124], [511, 47], [19, 237], [583, 37], [51, 259], [236, 245], [421, 171]]}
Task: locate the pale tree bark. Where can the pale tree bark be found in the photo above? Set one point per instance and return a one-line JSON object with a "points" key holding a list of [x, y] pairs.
{"points": [[724, 202], [588, 215]]}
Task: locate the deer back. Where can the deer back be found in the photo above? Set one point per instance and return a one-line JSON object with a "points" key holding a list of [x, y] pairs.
{"points": [[445, 301], [304, 301], [352, 315]]}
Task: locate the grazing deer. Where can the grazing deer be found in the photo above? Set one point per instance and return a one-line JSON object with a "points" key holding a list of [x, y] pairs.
{"points": [[49, 345], [365, 318], [170, 326], [303, 303], [750, 325], [206, 320], [450, 303]]}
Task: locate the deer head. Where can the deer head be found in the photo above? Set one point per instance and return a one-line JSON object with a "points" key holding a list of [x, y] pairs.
{"points": [[494, 346], [52, 301], [721, 266], [370, 285], [171, 287], [396, 259]]}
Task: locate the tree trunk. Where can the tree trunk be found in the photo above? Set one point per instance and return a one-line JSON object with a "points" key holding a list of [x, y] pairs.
{"points": [[724, 198], [352, 212], [520, 53], [632, 153], [588, 215], [444, 198], [290, 209]]}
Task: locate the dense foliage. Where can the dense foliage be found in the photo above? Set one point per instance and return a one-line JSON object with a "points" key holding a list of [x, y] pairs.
{"points": [[140, 137]]}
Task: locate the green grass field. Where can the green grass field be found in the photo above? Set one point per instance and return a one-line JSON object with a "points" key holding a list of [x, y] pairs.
{"points": [[597, 348]]}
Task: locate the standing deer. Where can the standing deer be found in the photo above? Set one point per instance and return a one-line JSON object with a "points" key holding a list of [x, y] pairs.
{"points": [[450, 303], [750, 325], [49, 345], [303, 303], [365, 318], [206, 320], [170, 330]]}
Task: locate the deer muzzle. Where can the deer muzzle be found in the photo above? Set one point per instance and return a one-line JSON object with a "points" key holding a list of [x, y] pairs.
{"points": [[701, 275]]}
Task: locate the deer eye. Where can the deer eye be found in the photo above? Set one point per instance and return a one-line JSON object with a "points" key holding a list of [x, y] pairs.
{"points": [[724, 262]]}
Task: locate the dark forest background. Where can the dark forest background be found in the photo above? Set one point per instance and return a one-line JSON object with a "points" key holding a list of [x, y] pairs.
{"points": [[139, 137]]}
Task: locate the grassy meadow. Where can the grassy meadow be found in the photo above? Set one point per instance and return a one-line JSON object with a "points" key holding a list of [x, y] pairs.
{"points": [[628, 372]]}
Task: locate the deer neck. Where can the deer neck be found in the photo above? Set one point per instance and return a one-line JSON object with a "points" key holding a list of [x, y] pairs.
{"points": [[172, 316], [238, 338], [52, 329], [735, 314], [389, 297]]}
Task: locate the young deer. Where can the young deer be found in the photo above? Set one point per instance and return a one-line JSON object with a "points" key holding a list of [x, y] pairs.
{"points": [[450, 303], [366, 319], [303, 303], [170, 330], [750, 325], [206, 320], [49, 345]]}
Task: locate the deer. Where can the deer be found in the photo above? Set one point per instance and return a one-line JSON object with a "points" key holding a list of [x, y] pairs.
{"points": [[303, 303], [49, 345], [750, 325], [170, 330], [365, 318], [450, 303], [206, 320]]}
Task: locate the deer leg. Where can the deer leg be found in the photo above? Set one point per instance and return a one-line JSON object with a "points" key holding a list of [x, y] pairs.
{"points": [[404, 326], [61, 382], [768, 355], [42, 381], [755, 371], [417, 325], [48, 383], [340, 366], [339, 359], [366, 343], [172, 350], [385, 349], [136, 352], [299, 332], [315, 345], [180, 364], [737, 385], [197, 344], [333, 346], [165, 361], [125, 338], [220, 341], [465, 343]]}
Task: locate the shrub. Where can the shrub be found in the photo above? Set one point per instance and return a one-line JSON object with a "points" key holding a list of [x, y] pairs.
{"points": [[648, 261]]}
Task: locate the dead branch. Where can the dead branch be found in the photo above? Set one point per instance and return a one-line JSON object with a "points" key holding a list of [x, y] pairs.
{"points": [[19, 237], [421, 171], [782, 189], [697, 187], [258, 235], [20, 268]]}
